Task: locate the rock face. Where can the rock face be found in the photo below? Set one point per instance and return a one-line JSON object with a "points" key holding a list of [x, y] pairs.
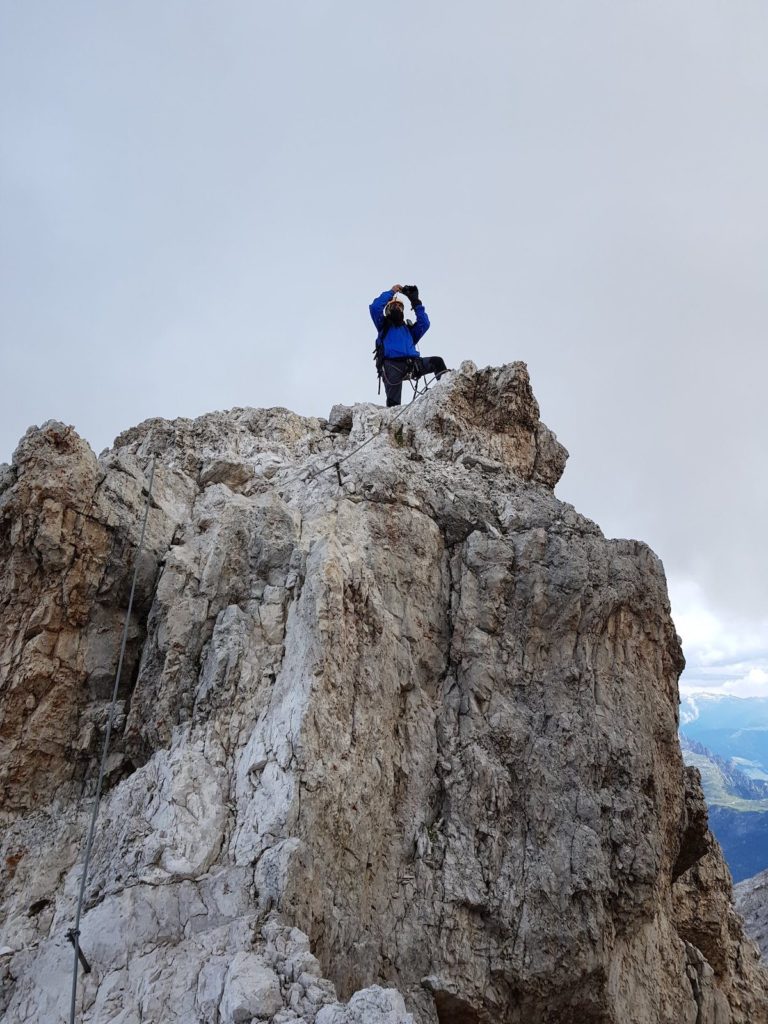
{"points": [[751, 901], [397, 740]]}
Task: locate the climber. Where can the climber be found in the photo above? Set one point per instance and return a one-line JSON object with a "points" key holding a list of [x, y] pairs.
{"points": [[397, 358]]}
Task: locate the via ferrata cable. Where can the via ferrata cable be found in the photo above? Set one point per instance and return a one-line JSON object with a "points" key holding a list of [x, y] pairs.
{"points": [[336, 463], [74, 933]]}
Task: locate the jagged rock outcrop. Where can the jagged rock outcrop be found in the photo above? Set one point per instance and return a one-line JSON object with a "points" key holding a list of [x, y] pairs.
{"points": [[394, 717], [751, 901], [722, 961]]}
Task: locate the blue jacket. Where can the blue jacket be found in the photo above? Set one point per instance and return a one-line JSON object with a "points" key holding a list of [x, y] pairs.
{"points": [[400, 342]]}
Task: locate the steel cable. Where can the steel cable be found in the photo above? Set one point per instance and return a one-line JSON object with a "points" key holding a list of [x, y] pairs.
{"points": [[338, 462], [74, 933]]}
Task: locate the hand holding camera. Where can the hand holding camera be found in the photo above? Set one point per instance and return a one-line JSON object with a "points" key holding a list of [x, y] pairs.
{"points": [[412, 293]]}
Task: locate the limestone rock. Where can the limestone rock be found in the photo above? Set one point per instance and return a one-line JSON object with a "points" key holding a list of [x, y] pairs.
{"points": [[341, 418], [373, 1005], [396, 741], [221, 471], [251, 990], [69, 530], [723, 964], [751, 902]]}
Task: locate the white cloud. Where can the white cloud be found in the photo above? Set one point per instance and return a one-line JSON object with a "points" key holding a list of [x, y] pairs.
{"points": [[725, 656], [689, 711]]}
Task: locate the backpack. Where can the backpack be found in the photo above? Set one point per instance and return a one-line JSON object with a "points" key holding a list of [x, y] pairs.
{"points": [[378, 351]]}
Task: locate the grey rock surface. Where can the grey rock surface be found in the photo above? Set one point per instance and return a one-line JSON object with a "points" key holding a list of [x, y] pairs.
{"points": [[397, 740], [751, 901]]}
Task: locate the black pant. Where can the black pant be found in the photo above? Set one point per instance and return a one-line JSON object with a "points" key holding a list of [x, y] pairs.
{"points": [[396, 371]]}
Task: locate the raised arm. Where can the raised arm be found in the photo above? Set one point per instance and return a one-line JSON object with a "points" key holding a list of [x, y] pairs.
{"points": [[420, 328], [376, 308]]}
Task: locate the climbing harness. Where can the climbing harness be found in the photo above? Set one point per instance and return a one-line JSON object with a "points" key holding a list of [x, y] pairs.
{"points": [[412, 376], [73, 935], [421, 385]]}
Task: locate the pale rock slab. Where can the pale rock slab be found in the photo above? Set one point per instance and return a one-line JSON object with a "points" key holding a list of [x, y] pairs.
{"points": [[251, 990], [373, 1005]]}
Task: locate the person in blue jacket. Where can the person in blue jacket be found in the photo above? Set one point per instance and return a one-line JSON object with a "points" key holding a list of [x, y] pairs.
{"points": [[397, 355]]}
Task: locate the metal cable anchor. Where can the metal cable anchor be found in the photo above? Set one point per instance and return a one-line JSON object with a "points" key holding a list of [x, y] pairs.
{"points": [[73, 934]]}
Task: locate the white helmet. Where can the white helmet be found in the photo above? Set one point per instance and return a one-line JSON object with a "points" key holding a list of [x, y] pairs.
{"points": [[404, 302]]}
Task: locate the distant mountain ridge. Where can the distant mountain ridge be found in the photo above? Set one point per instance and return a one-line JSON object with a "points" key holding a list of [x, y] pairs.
{"points": [[737, 803], [735, 780], [732, 727]]}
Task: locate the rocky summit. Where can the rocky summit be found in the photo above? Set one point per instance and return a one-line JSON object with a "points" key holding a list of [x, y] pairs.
{"points": [[396, 740]]}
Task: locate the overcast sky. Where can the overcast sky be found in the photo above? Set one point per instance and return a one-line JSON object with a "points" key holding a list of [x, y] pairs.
{"points": [[200, 199]]}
